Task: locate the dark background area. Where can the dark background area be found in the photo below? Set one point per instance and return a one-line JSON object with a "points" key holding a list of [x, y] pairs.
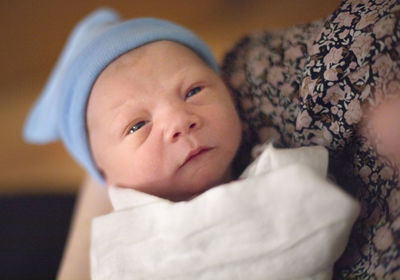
{"points": [[33, 229]]}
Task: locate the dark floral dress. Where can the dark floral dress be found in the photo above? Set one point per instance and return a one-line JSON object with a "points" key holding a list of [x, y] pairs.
{"points": [[311, 85]]}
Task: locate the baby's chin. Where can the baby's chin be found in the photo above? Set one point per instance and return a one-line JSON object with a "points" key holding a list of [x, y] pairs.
{"points": [[184, 194], [170, 192], [182, 189], [181, 197]]}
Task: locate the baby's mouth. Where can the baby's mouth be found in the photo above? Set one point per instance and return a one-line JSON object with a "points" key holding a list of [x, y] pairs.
{"points": [[195, 153]]}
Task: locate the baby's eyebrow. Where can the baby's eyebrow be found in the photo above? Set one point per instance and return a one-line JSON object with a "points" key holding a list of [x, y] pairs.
{"points": [[124, 115], [191, 76]]}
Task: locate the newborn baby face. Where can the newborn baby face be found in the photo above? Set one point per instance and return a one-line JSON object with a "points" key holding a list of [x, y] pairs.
{"points": [[162, 122]]}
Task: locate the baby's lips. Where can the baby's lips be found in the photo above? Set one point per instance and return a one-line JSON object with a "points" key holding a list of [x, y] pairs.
{"points": [[195, 152]]}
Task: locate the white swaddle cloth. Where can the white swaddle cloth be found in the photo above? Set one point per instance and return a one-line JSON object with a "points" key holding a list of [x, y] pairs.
{"points": [[284, 221]]}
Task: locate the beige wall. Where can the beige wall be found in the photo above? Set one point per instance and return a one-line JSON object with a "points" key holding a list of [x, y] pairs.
{"points": [[33, 33]]}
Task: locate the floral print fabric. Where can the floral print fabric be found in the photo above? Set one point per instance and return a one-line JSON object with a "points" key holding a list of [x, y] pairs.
{"points": [[312, 84]]}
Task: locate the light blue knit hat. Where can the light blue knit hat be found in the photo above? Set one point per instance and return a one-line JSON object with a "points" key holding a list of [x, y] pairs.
{"points": [[100, 38]]}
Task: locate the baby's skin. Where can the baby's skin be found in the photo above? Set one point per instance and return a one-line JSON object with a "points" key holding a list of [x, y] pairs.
{"points": [[381, 124], [161, 121]]}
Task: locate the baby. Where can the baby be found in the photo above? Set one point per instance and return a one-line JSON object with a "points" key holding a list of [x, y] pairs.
{"points": [[141, 106]]}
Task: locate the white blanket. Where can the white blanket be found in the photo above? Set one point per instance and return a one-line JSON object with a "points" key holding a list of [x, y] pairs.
{"points": [[284, 221]]}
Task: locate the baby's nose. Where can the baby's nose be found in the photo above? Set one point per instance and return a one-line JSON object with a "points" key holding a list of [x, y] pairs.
{"points": [[181, 123]]}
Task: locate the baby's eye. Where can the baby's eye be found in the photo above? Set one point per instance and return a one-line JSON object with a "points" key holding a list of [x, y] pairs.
{"points": [[136, 127], [193, 91]]}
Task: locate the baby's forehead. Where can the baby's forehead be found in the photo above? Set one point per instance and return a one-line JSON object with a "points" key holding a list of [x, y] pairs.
{"points": [[151, 67]]}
